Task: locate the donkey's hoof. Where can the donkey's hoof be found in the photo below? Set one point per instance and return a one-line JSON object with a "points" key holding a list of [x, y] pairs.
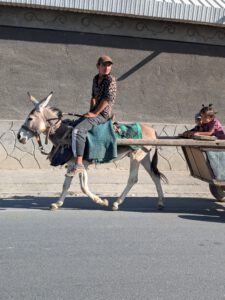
{"points": [[115, 206], [59, 203], [160, 206], [56, 205], [105, 202], [53, 206]]}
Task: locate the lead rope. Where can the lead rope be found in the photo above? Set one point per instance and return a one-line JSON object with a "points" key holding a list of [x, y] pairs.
{"points": [[72, 114], [40, 146], [49, 129]]}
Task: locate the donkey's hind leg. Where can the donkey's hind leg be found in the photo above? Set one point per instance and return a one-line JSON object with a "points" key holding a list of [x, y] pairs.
{"points": [[85, 189], [133, 178], [66, 186], [146, 162]]}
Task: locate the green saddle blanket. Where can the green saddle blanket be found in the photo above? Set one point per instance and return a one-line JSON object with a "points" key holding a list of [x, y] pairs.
{"points": [[101, 146], [129, 131]]}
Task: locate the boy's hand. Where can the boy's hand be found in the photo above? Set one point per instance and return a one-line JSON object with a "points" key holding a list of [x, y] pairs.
{"points": [[90, 115], [188, 134]]}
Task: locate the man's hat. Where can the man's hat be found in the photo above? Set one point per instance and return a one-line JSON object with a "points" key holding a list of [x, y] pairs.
{"points": [[103, 59]]}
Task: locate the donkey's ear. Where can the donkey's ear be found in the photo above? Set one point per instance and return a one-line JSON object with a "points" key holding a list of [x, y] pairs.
{"points": [[32, 99], [44, 102]]}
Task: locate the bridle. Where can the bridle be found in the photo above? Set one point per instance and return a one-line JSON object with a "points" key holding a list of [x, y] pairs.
{"points": [[36, 134], [49, 130]]}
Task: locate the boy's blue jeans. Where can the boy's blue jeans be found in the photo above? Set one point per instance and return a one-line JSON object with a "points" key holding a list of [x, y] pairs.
{"points": [[83, 125]]}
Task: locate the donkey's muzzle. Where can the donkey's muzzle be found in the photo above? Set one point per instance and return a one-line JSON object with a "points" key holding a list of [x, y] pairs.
{"points": [[20, 139]]}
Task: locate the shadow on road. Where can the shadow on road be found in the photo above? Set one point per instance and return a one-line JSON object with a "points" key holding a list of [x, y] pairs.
{"points": [[198, 209]]}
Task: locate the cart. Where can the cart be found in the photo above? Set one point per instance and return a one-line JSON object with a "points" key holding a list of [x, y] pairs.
{"points": [[207, 164], [205, 159]]}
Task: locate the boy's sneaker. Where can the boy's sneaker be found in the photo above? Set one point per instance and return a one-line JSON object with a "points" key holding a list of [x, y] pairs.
{"points": [[76, 169]]}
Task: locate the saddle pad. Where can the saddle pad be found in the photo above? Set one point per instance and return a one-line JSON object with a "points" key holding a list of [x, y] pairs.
{"points": [[62, 156], [101, 144], [129, 131]]}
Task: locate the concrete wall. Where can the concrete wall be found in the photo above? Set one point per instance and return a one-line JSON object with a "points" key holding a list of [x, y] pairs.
{"points": [[165, 71]]}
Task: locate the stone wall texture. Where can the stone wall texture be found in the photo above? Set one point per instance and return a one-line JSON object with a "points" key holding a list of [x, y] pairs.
{"points": [[165, 71]]}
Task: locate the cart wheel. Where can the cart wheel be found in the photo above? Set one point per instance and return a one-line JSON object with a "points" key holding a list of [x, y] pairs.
{"points": [[218, 192]]}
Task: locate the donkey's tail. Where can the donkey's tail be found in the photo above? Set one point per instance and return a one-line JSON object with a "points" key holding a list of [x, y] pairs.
{"points": [[154, 168]]}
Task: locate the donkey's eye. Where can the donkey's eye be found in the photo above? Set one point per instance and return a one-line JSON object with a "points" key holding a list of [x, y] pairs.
{"points": [[29, 119]]}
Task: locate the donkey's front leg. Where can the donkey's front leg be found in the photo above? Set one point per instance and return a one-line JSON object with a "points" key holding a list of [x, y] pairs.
{"points": [[133, 178], [66, 186], [84, 187]]}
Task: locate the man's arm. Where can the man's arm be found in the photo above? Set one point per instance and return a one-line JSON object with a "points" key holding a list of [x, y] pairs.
{"points": [[204, 133], [98, 110], [92, 103], [209, 132]]}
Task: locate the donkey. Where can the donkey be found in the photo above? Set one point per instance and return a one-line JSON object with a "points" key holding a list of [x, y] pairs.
{"points": [[47, 120]]}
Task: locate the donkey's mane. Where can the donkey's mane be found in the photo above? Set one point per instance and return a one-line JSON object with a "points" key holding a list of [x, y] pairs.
{"points": [[57, 110], [53, 109]]}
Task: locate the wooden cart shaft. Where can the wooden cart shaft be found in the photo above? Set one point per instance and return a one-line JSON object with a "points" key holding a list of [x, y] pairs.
{"points": [[194, 153], [172, 141]]}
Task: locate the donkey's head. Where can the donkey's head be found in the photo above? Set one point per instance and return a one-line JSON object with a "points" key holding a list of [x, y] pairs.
{"points": [[36, 121]]}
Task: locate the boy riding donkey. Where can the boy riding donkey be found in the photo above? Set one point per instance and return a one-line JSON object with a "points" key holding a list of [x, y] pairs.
{"points": [[103, 97], [44, 119]]}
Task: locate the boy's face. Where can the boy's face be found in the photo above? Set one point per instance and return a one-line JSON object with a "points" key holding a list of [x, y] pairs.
{"points": [[206, 118], [104, 68]]}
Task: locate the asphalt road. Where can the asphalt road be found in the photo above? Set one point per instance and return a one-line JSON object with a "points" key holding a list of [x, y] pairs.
{"points": [[85, 252]]}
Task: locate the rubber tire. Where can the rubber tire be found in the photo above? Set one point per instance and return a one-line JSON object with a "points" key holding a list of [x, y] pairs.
{"points": [[218, 192]]}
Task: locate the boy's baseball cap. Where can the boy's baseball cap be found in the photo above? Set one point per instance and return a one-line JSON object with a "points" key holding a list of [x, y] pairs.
{"points": [[103, 59], [197, 116]]}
